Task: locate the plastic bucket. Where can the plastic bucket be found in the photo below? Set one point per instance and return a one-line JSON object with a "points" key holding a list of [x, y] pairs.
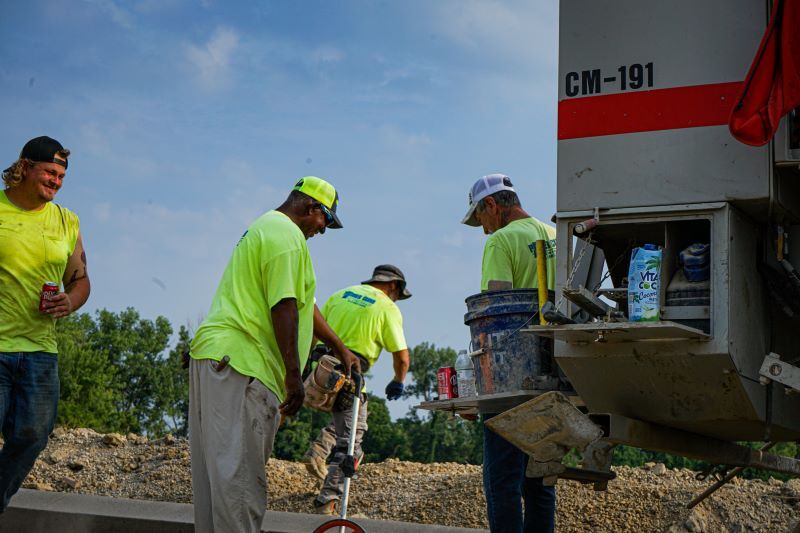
{"points": [[507, 360]]}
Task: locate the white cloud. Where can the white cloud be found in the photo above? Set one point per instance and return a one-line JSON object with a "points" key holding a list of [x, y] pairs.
{"points": [[156, 6], [117, 14], [211, 61], [320, 61], [327, 55], [184, 248], [407, 83], [521, 31], [502, 88], [402, 141], [101, 141]]}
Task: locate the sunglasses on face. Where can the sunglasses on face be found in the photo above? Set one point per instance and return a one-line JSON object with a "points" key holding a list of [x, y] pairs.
{"points": [[327, 213]]}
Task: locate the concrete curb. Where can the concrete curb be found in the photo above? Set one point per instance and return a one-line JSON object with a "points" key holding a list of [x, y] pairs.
{"points": [[33, 511]]}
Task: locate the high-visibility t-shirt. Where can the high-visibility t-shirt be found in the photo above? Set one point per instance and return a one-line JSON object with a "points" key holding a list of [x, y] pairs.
{"points": [[510, 254], [366, 320], [270, 263], [34, 248]]}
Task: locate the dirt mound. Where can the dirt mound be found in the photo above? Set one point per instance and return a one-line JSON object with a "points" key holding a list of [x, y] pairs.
{"points": [[640, 499]]}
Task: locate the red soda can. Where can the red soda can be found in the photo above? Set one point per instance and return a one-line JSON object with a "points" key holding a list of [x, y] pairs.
{"points": [[49, 289], [448, 383]]}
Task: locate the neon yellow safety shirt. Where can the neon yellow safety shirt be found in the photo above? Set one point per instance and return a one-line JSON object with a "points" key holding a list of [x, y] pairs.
{"points": [[510, 254], [366, 320], [270, 263], [34, 248]]}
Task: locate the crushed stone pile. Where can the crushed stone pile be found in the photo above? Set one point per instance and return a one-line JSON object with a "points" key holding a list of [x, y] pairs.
{"points": [[652, 498]]}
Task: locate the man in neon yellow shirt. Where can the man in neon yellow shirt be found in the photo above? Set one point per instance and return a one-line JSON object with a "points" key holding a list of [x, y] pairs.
{"points": [[247, 354], [509, 262], [39, 241], [368, 321]]}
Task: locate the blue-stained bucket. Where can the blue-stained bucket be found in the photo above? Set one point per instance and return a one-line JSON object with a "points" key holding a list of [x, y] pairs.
{"points": [[509, 360]]}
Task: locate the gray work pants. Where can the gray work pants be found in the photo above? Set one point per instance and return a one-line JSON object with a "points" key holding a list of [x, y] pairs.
{"points": [[232, 426], [324, 443], [333, 486]]}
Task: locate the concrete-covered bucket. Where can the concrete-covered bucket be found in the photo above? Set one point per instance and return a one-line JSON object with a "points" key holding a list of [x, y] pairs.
{"points": [[506, 359]]}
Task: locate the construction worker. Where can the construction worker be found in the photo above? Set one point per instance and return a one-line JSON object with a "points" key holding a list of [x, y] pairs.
{"points": [[247, 355], [40, 241], [368, 321], [509, 262]]}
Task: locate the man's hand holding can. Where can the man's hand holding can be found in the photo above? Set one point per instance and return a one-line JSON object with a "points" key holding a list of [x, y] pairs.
{"points": [[54, 303]]}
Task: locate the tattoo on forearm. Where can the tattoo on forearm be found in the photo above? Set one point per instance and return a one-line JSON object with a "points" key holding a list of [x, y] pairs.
{"points": [[74, 278]]}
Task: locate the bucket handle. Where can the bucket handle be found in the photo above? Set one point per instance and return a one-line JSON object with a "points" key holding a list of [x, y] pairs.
{"points": [[500, 341]]}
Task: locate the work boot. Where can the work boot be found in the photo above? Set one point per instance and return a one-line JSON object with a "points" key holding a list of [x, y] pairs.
{"points": [[316, 466], [328, 508]]}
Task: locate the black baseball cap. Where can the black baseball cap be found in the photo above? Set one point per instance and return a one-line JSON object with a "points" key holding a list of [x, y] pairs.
{"points": [[43, 150]]}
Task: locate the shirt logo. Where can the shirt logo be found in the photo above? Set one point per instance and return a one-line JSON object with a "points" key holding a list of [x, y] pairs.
{"points": [[549, 248], [358, 299]]}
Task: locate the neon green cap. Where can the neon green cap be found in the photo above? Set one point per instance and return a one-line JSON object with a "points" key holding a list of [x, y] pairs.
{"points": [[323, 192]]}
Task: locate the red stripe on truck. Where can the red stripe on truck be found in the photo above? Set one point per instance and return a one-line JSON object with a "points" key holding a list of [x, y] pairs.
{"points": [[659, 109]]}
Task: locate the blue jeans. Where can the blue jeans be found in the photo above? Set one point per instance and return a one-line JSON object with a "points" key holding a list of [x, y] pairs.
{"points": [[505, 487], [28, 404]]}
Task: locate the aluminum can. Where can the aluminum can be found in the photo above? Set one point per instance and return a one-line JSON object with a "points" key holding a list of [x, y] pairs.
{"points": [[448, 383], [49, 289]]}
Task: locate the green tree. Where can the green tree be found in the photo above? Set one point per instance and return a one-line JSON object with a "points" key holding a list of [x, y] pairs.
{"points": [[114, 376], [426, 359], [297, 432], [134, 346], [384, 439], [172, 387], [439, 436], [442, 437], [89, 391]]}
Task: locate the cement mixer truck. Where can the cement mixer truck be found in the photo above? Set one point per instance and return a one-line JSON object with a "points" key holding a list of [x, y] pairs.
{"points": [[645, 156]]}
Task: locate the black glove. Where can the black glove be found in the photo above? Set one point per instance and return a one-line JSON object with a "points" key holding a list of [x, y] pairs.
{"points": [[394, 390]]}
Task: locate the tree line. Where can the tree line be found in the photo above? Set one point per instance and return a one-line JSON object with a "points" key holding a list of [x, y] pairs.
{"points": [[119, 374]]}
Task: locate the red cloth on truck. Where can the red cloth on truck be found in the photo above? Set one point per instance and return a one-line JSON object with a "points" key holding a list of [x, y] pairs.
{"points": [[772, 86]]}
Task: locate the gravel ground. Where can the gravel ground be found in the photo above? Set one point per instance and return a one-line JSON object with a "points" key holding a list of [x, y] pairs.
{"points": [[640, 499]]}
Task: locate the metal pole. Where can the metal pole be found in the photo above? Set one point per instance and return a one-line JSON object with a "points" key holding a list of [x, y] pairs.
{"points": [[623, 430], [718, 485], [541, 276], [351, 444]]}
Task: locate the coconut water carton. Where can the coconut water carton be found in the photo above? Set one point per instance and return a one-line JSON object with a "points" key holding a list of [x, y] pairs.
{"points": [[644, 280]]}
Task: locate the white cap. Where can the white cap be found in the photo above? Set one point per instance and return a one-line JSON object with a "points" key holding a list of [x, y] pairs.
{"points": [[485, 186]]}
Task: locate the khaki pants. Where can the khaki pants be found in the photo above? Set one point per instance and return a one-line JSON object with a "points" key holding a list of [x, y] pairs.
{"points": [[232, 426]]}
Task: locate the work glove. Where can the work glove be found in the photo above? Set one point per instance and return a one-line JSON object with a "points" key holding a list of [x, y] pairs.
{"points": [[394, 390]]}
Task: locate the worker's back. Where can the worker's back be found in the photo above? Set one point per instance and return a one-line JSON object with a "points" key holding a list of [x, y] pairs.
{"points": [[366, 320]]}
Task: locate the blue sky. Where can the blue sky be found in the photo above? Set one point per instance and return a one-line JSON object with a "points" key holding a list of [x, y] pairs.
{"points": [[188, 119]]}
